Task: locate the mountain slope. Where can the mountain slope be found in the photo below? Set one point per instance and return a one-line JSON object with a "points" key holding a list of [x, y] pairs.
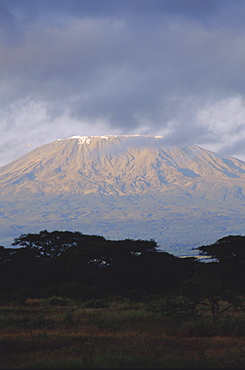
{"points": [[119, 165], [124, 186]]}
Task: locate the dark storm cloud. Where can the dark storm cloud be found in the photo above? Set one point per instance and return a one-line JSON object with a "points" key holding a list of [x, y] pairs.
{"points": [[138, 66]]}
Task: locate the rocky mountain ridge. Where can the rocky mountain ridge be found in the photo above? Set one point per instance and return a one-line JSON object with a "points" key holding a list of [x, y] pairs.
{"points": [[124, 186], [118, 165]]}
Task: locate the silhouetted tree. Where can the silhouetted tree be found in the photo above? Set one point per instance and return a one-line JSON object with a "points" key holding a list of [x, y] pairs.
{"points": [[206, 289], [94, 267], [228, 250], [229, 254], [50, 244]]}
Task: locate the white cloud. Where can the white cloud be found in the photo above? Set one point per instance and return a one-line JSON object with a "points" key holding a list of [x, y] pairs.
{"points": [[26, 125], [224, 122]]}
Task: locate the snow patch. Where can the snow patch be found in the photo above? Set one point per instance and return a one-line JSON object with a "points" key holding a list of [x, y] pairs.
{"points": [[82, 139]]}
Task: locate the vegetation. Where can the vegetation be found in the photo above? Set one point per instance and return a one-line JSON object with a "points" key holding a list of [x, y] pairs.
{"points": [[70, 300]]}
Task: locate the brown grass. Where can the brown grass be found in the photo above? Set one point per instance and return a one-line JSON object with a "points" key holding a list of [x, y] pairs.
{"points": [[121, 336]]}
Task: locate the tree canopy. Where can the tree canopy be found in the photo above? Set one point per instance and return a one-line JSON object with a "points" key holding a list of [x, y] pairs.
{"points": [[70, 264], [230, 249], [52, 244]]}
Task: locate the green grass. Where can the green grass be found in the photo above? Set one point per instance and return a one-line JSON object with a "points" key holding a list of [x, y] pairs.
{"points": [[116, 334]]}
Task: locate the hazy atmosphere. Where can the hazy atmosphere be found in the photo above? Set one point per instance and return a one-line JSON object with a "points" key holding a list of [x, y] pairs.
{"points": [[150, 67]]}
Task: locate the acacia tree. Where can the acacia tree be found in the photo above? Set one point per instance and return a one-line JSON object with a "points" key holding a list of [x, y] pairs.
{"points": [[228, 250], [208, 290], [229, 254], [50, 244]]}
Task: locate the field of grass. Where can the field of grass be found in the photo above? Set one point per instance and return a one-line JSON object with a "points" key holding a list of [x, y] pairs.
{"points": [[61, 334]]}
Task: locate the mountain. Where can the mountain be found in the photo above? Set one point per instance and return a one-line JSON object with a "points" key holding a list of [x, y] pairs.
{"points": [[124, 187]]}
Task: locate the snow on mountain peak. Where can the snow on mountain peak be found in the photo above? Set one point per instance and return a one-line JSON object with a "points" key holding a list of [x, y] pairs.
{"points": [[82, 139], [107, 137], [133, 186], [87, 139]]}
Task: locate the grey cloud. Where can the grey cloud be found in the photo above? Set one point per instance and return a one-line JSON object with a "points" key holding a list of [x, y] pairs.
{"points": [[235, 149], [192, 8], [136, 65]]}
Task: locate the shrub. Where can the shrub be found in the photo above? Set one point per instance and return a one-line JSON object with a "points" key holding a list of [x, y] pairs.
{"points": [[96, 303], [176, 306], [74, 290], [33, 302], [197, 328], [57, 301], [231, 326], [69, 318]]}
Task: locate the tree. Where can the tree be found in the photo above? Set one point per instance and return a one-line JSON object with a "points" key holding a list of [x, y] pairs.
{"points": [[229, 254], [228, 250], [206, 289], [50, 244]]}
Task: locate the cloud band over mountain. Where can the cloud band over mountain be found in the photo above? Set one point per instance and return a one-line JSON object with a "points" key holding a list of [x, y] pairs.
{"points": [[158, 67]]}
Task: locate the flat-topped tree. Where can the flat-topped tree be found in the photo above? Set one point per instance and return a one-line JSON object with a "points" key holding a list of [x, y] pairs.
{"points": [[51, 244], [230, 249], [229, 253]]}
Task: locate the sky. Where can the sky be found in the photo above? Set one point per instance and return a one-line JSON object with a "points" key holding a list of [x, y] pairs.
{"points": [[174, 68]]}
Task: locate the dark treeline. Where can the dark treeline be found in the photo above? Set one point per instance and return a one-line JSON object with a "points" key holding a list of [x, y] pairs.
{"points": [[74, 265]]}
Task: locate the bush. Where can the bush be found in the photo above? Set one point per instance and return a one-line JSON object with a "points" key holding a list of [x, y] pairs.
{"points": [[135, 295], [96, 303], [57, 301], [197, 328], [206, 327], [75, 290], [176, 306], [33, 302], [231, 326]]}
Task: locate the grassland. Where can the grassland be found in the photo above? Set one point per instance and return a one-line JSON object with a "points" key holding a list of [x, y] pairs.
{"points": [[116, 333]]}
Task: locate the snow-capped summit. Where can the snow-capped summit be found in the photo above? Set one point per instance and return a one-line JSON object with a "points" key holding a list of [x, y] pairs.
{"points": [[124, 186], [121, 165]]}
